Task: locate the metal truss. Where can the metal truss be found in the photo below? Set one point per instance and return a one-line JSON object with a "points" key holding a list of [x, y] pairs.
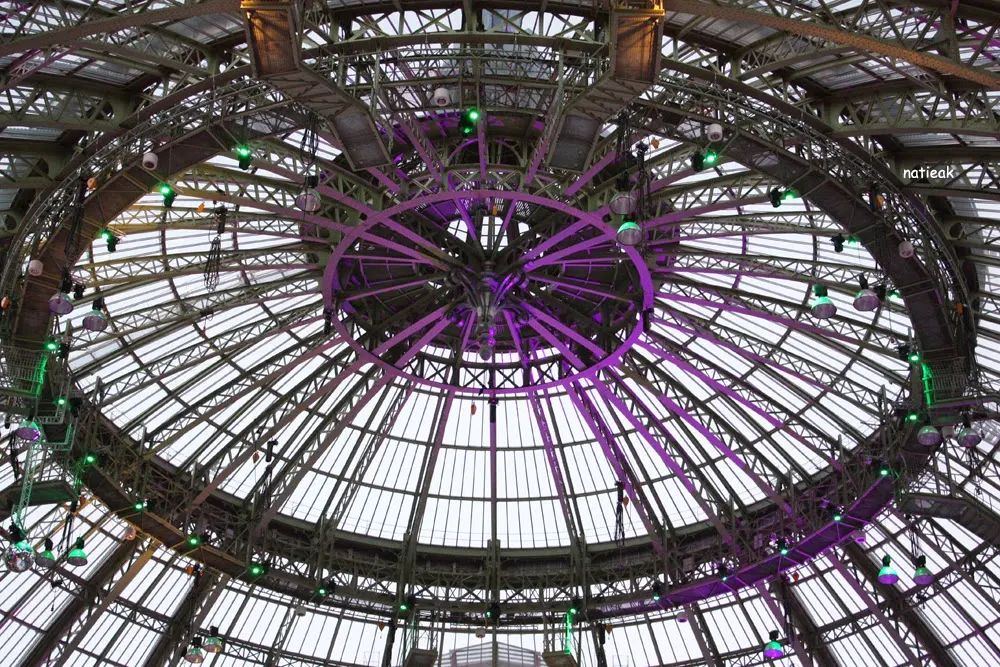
{"points": [[346, 554], [870, 27], [969, 178], [507, 67]]}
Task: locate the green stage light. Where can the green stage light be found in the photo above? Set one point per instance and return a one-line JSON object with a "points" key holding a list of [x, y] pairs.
{"points": [[168, 194], [244, 156]]}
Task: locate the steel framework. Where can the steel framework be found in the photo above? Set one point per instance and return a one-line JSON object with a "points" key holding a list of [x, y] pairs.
{"points": [[610, 347]]}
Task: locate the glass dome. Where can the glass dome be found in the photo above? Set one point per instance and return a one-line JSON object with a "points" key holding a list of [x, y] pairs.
{"points": [[442, 413]]}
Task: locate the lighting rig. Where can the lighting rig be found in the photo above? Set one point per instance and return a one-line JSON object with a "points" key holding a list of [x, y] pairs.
{"points": [[631, 200], [308, 199]]}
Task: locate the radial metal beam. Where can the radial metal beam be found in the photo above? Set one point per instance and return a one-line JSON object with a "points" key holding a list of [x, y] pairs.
{"points": [[316, 445], [364, 450], [619, 463], [704, 493], [551, 457]]}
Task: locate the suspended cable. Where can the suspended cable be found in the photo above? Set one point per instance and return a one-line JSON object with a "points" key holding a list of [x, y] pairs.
{"points": [[214, 262]]}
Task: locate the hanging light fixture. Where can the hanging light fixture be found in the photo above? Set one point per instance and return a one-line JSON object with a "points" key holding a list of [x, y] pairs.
{"points": [[968, 436], [308, 199], [773, 650], [866, 299], [487, 343], [46, 559], [28, 429], [634, 203], [887, 576], [822, 307], [59, 302], [194, 653], [929, 436], [624, 200], [95, 320], [657, 591], [629, 233], [213, 644], [922, 576], [77, 557], [20, 555]]}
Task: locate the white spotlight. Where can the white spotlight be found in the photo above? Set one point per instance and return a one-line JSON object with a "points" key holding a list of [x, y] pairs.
{"points": [[441, 97], [906, 250], [150, 160], [35, 267]]}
